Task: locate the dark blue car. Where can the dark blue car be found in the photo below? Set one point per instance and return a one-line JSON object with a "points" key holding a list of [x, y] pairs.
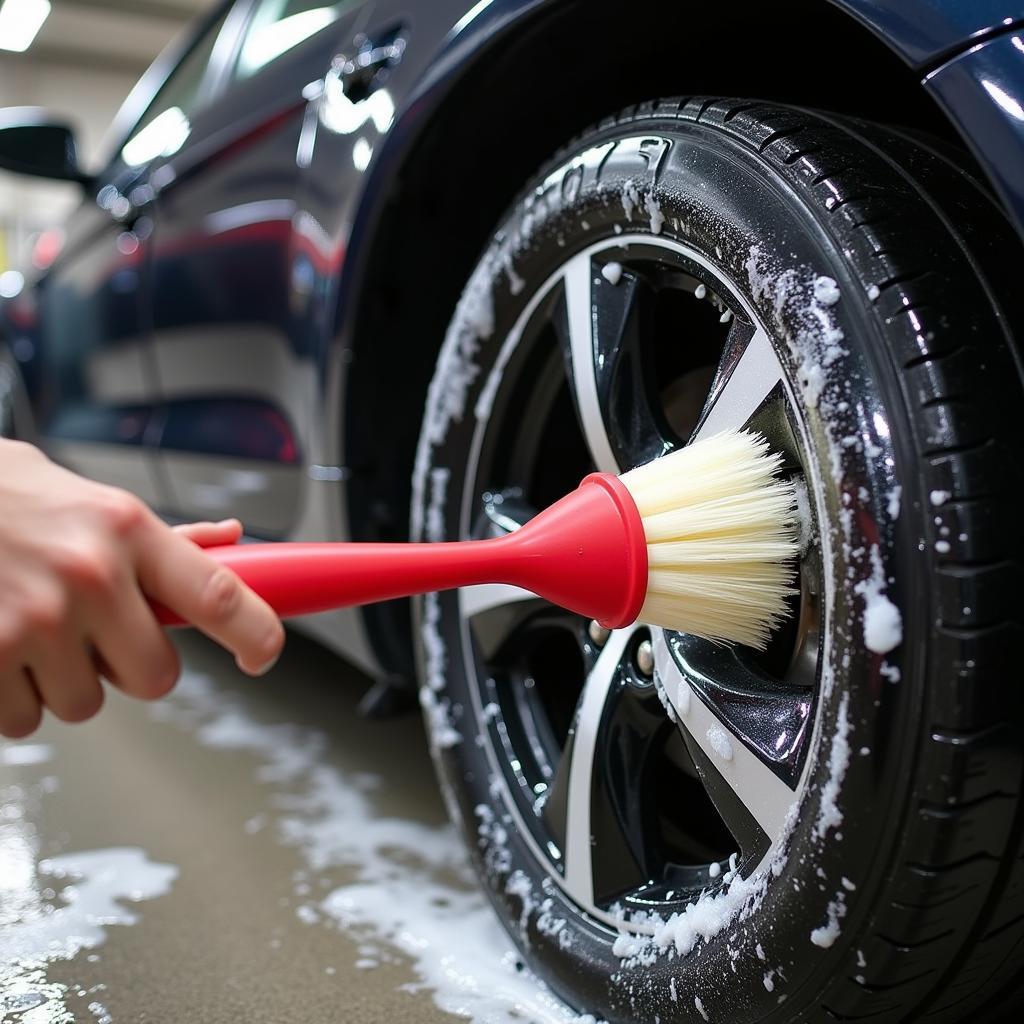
{"points": [[381, 269]]}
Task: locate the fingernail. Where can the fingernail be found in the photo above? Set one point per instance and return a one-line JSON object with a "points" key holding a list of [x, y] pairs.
{"points": [[263, 669]]}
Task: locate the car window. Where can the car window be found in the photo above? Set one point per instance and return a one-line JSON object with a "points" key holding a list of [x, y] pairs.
{"points": [[166, 124], [279, 25]]}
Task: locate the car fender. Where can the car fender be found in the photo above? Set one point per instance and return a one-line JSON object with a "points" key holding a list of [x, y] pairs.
{"points": [[924, 31], [919, 31], [982, 92]]}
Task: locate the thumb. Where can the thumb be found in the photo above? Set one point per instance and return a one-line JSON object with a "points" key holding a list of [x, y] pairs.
{"points": [[208, 535]]}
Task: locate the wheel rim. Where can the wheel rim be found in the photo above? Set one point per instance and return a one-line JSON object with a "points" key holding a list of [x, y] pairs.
{"points": [[641, 766]]}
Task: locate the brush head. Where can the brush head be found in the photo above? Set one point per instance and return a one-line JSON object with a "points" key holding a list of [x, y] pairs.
{"points": [[722, 538]]}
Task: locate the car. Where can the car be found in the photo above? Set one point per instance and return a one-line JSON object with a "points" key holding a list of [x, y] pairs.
{"points": [[390, 270]]}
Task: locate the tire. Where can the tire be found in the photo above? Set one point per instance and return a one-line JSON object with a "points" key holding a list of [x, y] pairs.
{"points": [[14, 412], [842, 288]]}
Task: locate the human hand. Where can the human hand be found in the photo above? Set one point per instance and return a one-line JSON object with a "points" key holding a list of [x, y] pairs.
{"points": [[78, 560]]}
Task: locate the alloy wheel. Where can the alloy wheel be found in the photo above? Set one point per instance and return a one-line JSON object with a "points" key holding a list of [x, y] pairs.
{"points": [[642, 766]]}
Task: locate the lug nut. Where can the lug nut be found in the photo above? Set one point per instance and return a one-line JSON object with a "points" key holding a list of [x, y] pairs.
{"points": [[645, 658], [597, 632]]}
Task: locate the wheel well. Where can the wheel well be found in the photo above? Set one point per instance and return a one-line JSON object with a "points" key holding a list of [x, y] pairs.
{"points": [[526, 96]]}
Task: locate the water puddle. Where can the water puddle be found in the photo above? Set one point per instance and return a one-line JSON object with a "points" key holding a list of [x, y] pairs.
{"points": [[410, 894], [55, 908]]}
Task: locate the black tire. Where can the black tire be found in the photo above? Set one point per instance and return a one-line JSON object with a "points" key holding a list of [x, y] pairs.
{"points": [[14, 411], [905, 858]]}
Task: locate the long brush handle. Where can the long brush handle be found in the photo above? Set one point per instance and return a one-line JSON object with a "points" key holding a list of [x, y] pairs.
{"points": [[300, 579], [587, 553]]}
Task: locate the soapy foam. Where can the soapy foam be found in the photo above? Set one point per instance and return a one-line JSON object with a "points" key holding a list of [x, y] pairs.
{"points": [[412, 891], [612, 272], [830, 816], [814, 341], [826, 935], [56, 908], [95, 889], [720, 743], [24, 754], [883, 623], [893, 501], [826, 291], [436, 705], [645, 936]]}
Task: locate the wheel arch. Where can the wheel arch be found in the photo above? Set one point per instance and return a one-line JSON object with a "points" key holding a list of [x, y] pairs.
{"points": [[480, 123], [923, 32]]}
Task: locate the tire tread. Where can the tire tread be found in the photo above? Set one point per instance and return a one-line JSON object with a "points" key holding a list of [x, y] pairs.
{"points": [[955, 867]]}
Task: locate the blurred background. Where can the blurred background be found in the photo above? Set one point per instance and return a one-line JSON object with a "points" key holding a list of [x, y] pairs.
{"points": [[81, 62]]}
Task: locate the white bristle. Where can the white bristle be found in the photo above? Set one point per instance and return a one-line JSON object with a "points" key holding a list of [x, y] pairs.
{"points": [[722, 538]]}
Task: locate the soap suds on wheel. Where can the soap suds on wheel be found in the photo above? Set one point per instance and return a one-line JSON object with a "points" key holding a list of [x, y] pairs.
{"points": [[815, 340], [436, 705], [826, 291], [612, 272], [644, 936], [720, 743], [827, 933], [893, 501], [666, 703], [802, 309], [805, 520], [657, 219], [630, 199], [883, 623], [830, 816]]}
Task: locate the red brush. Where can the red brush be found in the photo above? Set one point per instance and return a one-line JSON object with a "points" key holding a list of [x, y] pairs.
{"points": [[587, 553], [698, 541]]}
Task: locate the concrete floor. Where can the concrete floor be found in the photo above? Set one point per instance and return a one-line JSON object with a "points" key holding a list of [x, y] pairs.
{"points": [[246, 850]]}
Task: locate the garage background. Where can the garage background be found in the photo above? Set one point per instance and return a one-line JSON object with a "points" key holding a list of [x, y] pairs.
{"points": [[81, 65]]}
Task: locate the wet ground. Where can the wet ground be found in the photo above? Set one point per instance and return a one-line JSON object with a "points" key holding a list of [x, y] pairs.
{"points": [[246, 850]]}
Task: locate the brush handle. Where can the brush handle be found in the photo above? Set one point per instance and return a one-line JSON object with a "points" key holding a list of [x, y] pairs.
{"points": [[300, 579], [587, 553]]}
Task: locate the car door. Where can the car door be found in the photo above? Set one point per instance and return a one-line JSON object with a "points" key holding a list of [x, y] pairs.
{"points": [[229, 276], [98, 405]]}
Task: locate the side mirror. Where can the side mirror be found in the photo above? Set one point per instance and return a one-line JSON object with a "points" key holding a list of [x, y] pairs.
{"points": [[33, 142]]}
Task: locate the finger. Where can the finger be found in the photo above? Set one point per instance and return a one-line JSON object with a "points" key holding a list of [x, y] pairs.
{"points": [[178, 575], [208, 535], [20, 708], [65, 677], [131, 649]]}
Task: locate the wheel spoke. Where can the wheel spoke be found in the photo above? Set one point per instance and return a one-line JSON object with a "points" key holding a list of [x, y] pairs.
{"points": [[626, 387], [486, 597], [580, 325], [729, 767], [612, 382], [494, 611], [572, 788], [748, 374]]}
